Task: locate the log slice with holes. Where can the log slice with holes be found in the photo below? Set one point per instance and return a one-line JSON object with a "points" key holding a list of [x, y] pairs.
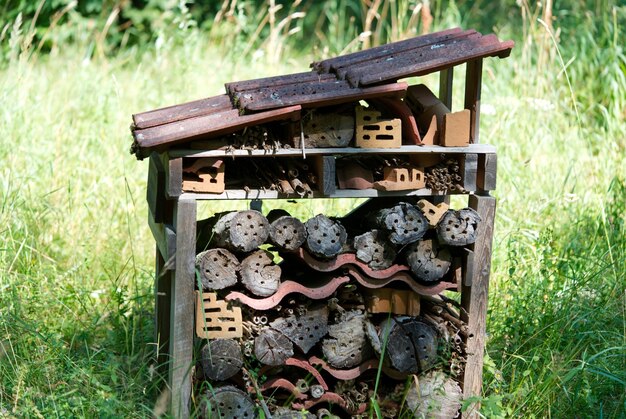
{"points": [[221, 359], [241, 231], [227, 402], [348, 345], [374, 249], [325, 237], [218, 269], [428, 261], [404, 222], [458, 228], [287, 233], [271, 347], [259, 274], [435, 396], [306, 330]]}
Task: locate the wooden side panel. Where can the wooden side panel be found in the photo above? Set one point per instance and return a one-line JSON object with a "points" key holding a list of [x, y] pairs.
{"points": [[469, 167], [182, 308], [473, 84], [445, 86], [162, 288], [326, 174], [173, 176], [487, 172], [155, 194], [474, 300]]}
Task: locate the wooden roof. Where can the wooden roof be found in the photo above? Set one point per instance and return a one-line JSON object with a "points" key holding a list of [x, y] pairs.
{"points": [[359, 76]]}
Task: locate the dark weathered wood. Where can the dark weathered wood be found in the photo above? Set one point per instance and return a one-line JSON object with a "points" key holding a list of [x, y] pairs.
{"points": [[428, 261], [446, 78], [326, 130], [404, 222], [165, 239], [473, 83], [162, 308], [374, 249], [287, 233], [183, 111], [226, 402], [487, 172], [469, 169], [155, 192], [182, 308], [208, 126], [241, 231], [411, 344], [271, 347], [217, 268], [173, 176], [347, 60], [474, 300], [275, 81], [221, 359], [314, 95], [348, 344], [326, 169], [259, 274], [434, 395], [325, 237], [304, 330], [458, 228]]}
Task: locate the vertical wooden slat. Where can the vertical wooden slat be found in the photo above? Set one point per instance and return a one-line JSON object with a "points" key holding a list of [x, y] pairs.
{"points": [[162, 288], [473, 80], [487, 171], [445, 86], [469, 169], [474, 300], [325, 167], [155, 193], [182, 304], [173, 176]]}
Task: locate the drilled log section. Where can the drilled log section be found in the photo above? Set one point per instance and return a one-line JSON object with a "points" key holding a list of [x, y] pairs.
{"points": [[285, 413], [428, 261], [434, 395], [325, 237], [241, 231], [374, 249], [218, 269], [306, 330], [287, 233], [226, 402], [326, 130], [271, 347], [259, 274], [404, 222], [221, 359], [458, 228], [411, 345], [348, 345]]}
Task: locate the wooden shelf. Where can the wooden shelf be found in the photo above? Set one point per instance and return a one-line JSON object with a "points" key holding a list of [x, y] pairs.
{"points": [[298, 152]]}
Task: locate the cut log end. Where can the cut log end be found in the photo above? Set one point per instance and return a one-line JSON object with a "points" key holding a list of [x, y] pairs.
{"points": [[404, 222], [217, 268], [288, 233], [429, 262], [435, 396], [221, 359], [374, 249], [241, 231], [272, 347], [458, 228], [227, 402], [325, 237], [348, 345], [259, 274], [305, 330]]}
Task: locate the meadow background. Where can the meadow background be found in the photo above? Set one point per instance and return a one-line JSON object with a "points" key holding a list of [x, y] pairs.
{"points": [[76, 254]]}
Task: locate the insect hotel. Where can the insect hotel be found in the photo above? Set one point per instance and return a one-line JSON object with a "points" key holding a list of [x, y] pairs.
{"points": [[382, 309]]}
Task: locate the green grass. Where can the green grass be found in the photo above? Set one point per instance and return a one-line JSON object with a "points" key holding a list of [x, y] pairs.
{"points": [[76, 256]]}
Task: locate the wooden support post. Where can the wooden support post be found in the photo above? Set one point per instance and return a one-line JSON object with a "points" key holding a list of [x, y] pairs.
{"points": [[474, 300], [173, 176], [162, 287], [487, 170], [472, 96], [445, 86], [182, 308], [469, 167]]}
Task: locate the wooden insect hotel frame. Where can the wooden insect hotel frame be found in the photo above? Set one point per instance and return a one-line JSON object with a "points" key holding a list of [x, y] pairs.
{"points": [[267, 313]]}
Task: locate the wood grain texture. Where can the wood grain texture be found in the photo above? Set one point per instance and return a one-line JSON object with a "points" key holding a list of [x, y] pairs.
{"points": [[474, 300], [487, 171], [473, 83], [446, 78], [469, 168], [326, 174], [182, 308], [155, 192], [162, 288], [173, 167]]}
